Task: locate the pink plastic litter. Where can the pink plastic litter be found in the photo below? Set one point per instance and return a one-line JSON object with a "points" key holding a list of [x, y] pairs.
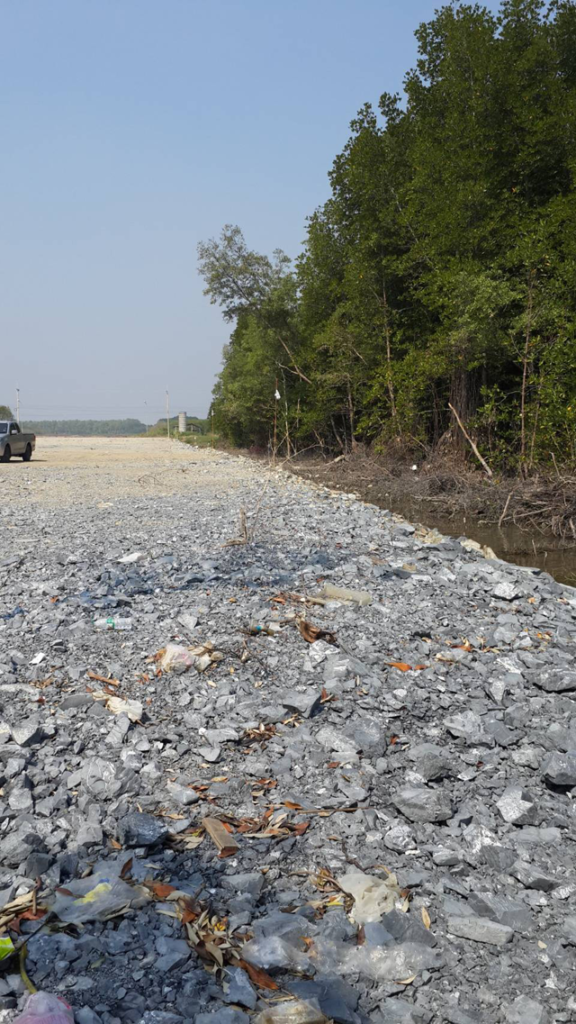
{"points": [[44, 1008]]}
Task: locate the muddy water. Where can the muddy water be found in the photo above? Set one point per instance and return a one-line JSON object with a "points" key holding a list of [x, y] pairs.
{"points": [[510, 543]]}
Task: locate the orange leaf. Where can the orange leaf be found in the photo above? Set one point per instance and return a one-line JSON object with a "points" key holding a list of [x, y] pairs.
{"points": [[29, 915], [161, 890], [115, 844], [188, 916], [292, 806], [400, 665], [333, 764], [300, 828], [258, 976]]}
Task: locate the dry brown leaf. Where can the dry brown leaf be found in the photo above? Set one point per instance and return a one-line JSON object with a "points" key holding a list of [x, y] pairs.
{"points": [[333, 764], [115, 844], [292, 806], [258, 976], [161, 889], [407, 981], [311, 633], [426, 918], [400, 665], [126, 868]]}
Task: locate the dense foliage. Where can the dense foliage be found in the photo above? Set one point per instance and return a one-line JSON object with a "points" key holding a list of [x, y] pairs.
{"points": [[6, 412], [85, 428], [440, 272]]}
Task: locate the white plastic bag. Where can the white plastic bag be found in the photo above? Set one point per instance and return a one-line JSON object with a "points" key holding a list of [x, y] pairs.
{"points": [[44, 1008]]}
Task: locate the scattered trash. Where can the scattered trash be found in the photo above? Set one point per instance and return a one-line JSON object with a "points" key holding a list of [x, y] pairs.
{"points": [[220, 836], [293, 1012], [100, 897], [372, 896], [176, 658], [270, 628], [361, 597], [45, 1008], [6, 947], [13, 614], [129, 559], [38, 658], [114, 622], [120, 706]]}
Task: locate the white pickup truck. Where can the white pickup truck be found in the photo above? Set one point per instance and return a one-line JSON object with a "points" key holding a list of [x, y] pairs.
{"points": [[14, 442]]}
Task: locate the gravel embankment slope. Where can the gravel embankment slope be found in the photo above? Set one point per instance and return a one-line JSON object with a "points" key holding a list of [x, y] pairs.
{"points": [[323, 760]]}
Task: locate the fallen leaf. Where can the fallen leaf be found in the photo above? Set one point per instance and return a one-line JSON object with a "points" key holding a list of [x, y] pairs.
{"points": [[292, 806], [426, 918], [127, 868], [258, 976], [333, 764], [161, 889], [311, 633], [407, 981], [115, 844], [400, 665]]}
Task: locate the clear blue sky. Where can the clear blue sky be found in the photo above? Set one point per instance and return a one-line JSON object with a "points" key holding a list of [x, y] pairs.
{"points": [[131, 129]]}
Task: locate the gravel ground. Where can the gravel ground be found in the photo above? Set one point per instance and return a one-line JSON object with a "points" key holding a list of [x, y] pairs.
{"points": [[235, 808]]}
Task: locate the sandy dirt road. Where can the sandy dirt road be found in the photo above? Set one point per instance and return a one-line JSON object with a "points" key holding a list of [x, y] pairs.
{"points": [[68, 470]]}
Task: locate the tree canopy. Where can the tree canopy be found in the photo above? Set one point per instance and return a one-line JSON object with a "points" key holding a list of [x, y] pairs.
{"points": [[439, 275]]}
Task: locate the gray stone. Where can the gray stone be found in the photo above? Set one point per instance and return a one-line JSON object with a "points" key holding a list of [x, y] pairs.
{"points": [[240, 990], [226, 1015], [245, 883], [181, 795], [560, 769], [400, 838], [421, 804], [517, 807], [480, 930], [304, 703], [505, 591], [502, 909], [526, 1011], [556, 680], [27, 733], [468, 725], [141, 830], [532, 877], [77, 700]]}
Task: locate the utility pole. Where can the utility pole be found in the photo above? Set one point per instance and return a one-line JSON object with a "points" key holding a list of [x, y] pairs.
{"points": [[167, 414], [18, 405]]}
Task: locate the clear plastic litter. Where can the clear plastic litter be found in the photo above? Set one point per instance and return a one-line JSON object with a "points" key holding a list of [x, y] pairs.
{"points": [[99, 897], [178, 659], [113, 622], [344, 594], [373, 896], [45, 1008], [292, 1012]]}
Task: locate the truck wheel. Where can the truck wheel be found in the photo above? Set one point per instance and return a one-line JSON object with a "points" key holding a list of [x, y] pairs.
{"points": [[27, 454], [6, 454]]}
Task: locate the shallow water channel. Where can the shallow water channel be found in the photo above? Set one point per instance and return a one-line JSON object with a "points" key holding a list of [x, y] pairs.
{"points": [[523, 547]]}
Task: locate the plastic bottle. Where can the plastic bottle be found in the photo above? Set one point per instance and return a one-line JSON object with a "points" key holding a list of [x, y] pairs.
{"points": [[113, 622]]}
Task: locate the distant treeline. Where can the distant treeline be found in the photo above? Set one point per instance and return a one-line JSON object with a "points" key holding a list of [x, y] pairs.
{"points": [[437, 286], [102, 428]]}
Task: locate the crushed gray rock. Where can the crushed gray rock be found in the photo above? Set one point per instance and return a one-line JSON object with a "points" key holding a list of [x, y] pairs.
{"points": [[322, 760]]}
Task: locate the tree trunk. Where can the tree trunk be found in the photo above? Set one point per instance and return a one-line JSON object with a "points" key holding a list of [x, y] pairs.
{"points": [[525, 367], [390, 379]]}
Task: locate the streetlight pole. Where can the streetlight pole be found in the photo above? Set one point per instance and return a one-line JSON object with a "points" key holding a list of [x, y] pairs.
{"points": [[18, 405]]}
